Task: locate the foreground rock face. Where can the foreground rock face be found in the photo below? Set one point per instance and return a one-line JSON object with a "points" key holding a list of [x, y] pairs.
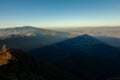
{"points": [[15, 64], [5, 56]]}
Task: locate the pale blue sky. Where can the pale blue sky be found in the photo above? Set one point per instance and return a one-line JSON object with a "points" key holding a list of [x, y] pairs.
{"points": [[59, 13]]}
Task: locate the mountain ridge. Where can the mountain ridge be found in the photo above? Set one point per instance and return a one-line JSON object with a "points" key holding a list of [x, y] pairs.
{"points": [[23, 36], [29, 31]]}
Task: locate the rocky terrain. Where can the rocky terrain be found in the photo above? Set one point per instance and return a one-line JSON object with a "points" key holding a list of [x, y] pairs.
{"points": [[15, 64]]}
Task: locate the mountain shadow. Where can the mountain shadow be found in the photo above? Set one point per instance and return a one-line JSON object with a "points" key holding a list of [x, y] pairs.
{"points": [[111, 40], [79, 58], [83, 56]]}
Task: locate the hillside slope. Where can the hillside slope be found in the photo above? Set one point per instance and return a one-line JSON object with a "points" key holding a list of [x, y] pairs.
{"points": [[15, 64]]}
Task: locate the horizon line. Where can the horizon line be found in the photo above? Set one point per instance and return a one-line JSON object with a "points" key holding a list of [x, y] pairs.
{"points": [[59, 27]]}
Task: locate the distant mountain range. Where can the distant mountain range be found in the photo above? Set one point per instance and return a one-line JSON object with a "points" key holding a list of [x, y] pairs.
{"points": [[28, 37], [29, 31]]}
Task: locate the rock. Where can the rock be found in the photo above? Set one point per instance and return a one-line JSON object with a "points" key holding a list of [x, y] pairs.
{"points": [[16, 64]]}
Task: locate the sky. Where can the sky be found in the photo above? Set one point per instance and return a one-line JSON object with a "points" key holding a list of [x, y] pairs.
{"points": [[59, 13]]}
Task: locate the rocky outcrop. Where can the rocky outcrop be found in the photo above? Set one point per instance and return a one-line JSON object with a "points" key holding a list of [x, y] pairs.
{"points": [[15, 64], [5, 56]]}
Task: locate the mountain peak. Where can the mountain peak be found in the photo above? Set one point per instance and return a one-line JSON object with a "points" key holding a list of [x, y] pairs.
{"points": [[85, 36], [25, 27], [83, 40]]}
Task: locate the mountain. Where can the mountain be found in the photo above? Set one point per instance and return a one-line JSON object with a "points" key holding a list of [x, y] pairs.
{"points": [[80, 58], [16, 64], [85, 43], [28, 37], [83, 56], [54, 55], [81, 41], [28, 31]]}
